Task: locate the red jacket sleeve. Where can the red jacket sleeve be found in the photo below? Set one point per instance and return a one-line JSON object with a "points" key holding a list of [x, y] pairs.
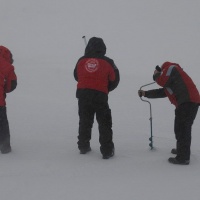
{"points": [[10, 81], [114, 77]]}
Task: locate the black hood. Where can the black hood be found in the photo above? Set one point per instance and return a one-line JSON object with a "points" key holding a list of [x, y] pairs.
{"points": [[95, 47]]}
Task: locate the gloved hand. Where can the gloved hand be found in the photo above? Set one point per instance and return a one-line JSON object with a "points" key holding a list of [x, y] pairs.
{"points": [[141, 93]]}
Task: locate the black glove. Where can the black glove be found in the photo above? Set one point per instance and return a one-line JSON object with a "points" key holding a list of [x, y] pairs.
{"points": [[140, 93]]}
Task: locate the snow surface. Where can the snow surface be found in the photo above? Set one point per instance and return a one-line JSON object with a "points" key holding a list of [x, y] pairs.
{"points": [[45, 37]]}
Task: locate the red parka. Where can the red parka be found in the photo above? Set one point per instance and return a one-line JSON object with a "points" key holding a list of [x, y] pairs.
{"points": [[95, 71], [177, 85], [8, 78]]}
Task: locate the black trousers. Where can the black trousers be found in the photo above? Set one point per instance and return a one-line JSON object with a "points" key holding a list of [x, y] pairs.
{"points": [[4, 126], [90, 103], [185, 115]]}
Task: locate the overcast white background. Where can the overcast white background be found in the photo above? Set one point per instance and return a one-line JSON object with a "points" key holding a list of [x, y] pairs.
{"points": [[45, 37]]}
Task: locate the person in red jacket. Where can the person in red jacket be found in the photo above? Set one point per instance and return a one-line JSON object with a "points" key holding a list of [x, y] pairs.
{"points": [[8, 82], [97, 75], [182, 92]]}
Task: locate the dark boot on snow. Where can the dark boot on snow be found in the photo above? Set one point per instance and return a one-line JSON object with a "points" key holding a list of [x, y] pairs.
{"points": [[85, 150], [109, 155], [174, 151], [5, 148], [178, 162]]}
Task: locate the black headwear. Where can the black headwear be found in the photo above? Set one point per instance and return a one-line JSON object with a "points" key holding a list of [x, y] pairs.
{"points": [[95, 47]]}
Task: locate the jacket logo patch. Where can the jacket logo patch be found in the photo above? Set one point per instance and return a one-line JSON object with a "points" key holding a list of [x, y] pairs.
{"points": [[92, 65]]}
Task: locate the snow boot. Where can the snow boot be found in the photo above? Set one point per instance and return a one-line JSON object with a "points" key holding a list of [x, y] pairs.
{"points": [[85, 150], [174, 151], [178, 162], [5, 148], [109, 155]]}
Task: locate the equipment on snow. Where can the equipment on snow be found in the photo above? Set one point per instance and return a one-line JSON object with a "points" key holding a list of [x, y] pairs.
{"points": [[151, 137]]}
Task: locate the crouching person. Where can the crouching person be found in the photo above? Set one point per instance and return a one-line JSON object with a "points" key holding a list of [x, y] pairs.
{"points": [[182, 92]]}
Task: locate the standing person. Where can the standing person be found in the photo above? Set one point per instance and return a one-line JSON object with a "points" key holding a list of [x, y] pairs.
{"points": [[96, 75], [182, 92], [8, 82]]}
